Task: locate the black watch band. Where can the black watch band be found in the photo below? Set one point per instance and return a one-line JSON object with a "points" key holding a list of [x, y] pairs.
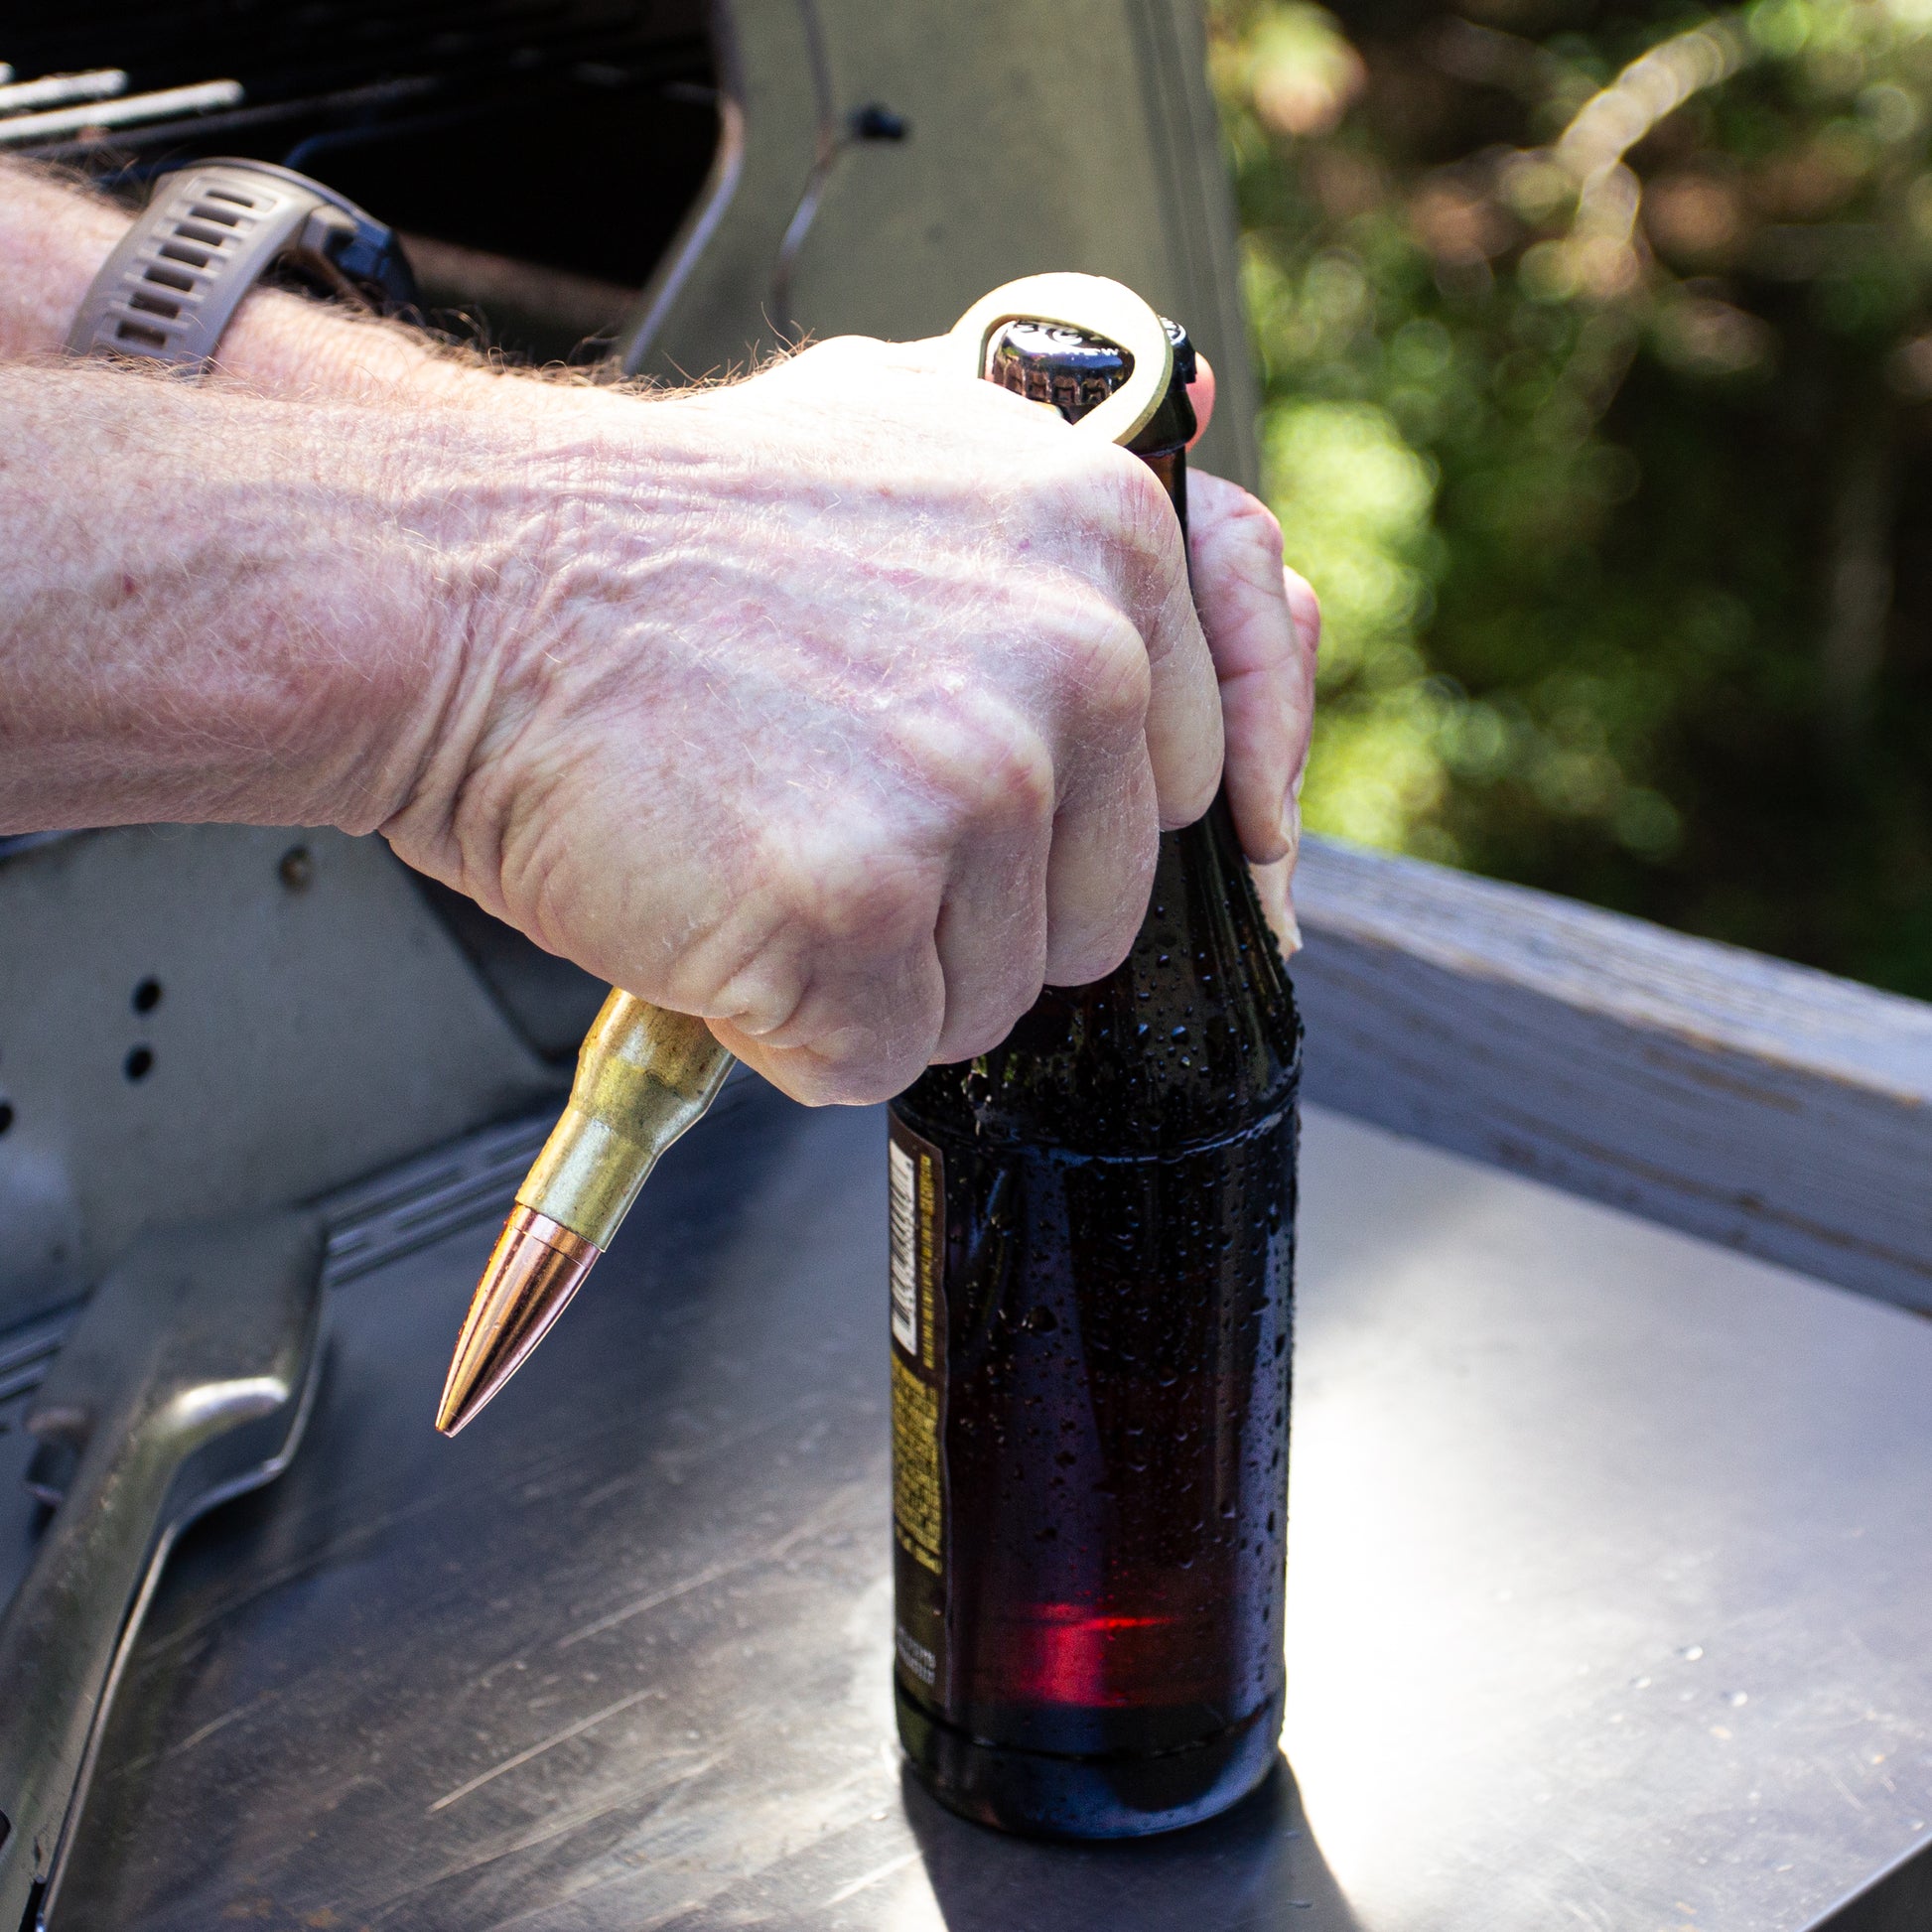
{"points": [[209, 232]]}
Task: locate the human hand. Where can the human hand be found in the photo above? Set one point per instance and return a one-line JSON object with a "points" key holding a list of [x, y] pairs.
{"points": [[842, 706]]}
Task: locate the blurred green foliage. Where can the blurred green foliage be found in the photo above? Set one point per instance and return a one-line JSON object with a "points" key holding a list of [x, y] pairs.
{"points": [[1598, 346]]}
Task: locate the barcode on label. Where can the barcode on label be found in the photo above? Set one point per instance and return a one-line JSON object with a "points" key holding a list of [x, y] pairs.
{"points": [[906, 1303]]}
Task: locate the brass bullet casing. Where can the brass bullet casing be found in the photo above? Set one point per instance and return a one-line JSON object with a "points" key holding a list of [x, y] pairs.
{"points": [[643, 1075]]}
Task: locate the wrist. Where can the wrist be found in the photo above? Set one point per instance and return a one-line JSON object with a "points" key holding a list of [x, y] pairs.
{"points": [[57, 235], [485, 499], [281, 343], [555, 522]]}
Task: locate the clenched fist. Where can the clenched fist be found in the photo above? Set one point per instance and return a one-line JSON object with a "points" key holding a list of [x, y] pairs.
{"points": [[844, 706]]}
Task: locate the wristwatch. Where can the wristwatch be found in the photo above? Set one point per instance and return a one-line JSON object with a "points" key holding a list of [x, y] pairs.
{"points": [[209, 232]]}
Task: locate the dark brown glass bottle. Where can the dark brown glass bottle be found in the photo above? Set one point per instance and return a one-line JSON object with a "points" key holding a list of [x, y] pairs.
{"points": [[1093, 1233]]}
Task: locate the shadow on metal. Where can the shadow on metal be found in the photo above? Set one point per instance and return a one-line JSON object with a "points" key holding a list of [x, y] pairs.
{"points": [[1255, 1869], [1900, 1901]]}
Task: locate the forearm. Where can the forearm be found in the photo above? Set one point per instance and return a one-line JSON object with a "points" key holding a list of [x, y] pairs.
{"points": [[54, 235], [214, 606], [249, 599]]}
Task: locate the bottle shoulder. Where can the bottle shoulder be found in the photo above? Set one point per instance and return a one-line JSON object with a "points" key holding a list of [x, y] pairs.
{"points": [[1193, 1038]]}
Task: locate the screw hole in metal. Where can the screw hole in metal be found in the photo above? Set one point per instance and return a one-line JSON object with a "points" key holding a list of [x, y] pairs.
{"points": [[298, 869], [147, 996], [139, 1064], [876, 122]]}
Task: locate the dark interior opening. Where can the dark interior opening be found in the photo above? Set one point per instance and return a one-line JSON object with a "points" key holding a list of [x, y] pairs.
{"points": [[539, 154]]}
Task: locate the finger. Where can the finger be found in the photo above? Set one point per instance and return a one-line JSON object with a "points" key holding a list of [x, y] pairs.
{"points": [[819, 968], [992, 933], [1100, 871], [1200, 392], [1265, 673], [1306, 607], [859, 1033], [1183, 708], [1272, 887]]}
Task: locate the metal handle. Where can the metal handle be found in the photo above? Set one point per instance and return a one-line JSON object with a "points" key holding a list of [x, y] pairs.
{"points": [[185, 1383], [1096, 306], [643, 1075]]}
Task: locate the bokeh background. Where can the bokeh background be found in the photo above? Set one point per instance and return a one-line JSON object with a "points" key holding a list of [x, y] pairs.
{"points": [[1598, 350]]}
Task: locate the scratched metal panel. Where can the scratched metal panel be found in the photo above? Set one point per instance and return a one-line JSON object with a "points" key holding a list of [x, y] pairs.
{"points": [[1076, 136], [1610, 1600], [197, 1021]]}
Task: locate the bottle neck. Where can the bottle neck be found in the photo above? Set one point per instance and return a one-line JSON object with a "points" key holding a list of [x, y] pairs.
{"points": [[1192, 1038]]}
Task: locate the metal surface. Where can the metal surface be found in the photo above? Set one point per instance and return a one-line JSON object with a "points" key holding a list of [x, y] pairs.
{"points": [[370, 1224], [186, 1384], [205, 1020], [1608, 1606], [1017, 139]]}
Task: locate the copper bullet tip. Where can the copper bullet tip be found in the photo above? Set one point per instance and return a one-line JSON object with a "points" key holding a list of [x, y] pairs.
{"points": [[535, 1267]]}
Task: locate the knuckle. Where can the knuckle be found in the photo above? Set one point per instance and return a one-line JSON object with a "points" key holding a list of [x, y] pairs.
{"points": [[1009, 773], [831, 1055], [1110, 680], [839, 899], [861, 896], [1102, 494], [837, 351], [813, 912], [1252, 524], [977, 761]]}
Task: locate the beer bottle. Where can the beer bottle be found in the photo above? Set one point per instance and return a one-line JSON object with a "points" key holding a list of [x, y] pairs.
{"points": [[1092, 1247]]}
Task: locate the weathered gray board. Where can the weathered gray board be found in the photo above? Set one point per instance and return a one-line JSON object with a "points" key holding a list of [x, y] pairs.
{"points": [[1773, 1108]]}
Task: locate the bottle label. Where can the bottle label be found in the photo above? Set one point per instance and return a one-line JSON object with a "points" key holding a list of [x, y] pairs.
{"points": [[916, 1184]]}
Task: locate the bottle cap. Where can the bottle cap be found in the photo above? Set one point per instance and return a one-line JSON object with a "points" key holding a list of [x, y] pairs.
{"points": [[1074, 371]]}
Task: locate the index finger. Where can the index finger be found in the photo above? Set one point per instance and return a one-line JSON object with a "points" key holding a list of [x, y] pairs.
{"points": [[1263, 654]]}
